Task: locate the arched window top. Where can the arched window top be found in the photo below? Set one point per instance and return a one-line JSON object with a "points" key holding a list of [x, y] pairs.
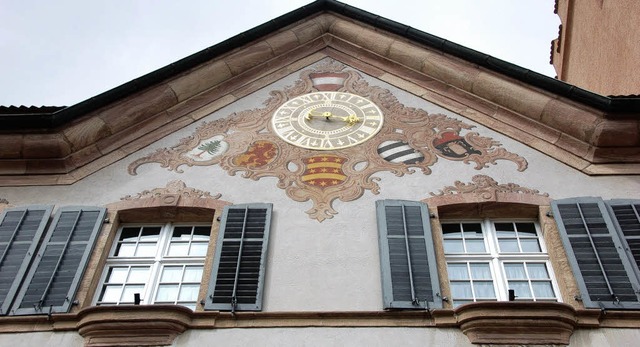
{"points": [[484, 197], [176, 202]]}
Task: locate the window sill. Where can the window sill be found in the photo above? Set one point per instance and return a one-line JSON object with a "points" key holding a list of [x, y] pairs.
{"points": [[142, 325], [519, 323]]}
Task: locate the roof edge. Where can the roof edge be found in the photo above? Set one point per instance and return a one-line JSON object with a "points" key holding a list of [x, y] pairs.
{"points": [[48, 121]]}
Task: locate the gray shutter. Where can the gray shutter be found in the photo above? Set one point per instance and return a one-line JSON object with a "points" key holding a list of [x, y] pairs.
{"points": [[237, 277], [626, 215], [53, 278], [602, 269], [407, 257], [20, 232]]}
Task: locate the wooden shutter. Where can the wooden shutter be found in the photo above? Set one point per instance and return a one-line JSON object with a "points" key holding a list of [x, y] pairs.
{"points": [[237, 277], [54, 276], [407, 257], [626, 215], [603, 271], [20, 232]]}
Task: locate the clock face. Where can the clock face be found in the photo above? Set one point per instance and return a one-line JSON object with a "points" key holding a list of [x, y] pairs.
{"points": [[327, 120]]}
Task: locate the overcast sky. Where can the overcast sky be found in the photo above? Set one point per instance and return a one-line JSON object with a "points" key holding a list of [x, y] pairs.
{"points": [[65, 51]]}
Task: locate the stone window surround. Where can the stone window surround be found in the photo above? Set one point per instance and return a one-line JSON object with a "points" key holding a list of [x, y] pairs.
{"points": [[172, 206]]}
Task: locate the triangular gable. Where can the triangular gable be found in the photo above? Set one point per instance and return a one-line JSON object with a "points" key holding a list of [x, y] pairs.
{"points": [[591, 133]]}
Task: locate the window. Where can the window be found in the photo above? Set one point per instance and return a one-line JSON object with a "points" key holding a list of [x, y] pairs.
{"points": [[163, 264], [487, 258]]}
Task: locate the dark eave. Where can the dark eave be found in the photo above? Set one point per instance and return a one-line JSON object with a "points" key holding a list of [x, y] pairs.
{"points": [[47, 121]]}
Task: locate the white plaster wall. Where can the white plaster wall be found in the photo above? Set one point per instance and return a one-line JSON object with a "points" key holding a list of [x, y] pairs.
{"points": [[383, 337], [333, 265], [42, 339], [326, 337], [607, 337]]}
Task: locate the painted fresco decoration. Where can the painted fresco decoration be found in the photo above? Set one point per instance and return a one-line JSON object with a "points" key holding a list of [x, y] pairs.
{"points": [[486, 188], [175, 187], [209, 148], [409, 139]]}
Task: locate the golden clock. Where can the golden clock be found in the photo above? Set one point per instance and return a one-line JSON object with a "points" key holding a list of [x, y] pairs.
{"points": [[327, 120]]}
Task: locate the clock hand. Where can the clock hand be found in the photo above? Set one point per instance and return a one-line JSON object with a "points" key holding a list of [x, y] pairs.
{"points": [[326, 115], [351, 119]]}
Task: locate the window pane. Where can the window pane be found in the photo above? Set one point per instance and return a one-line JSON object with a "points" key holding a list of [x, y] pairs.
{"points": [[472, 230], [451, 231], [537, 271], [171, 274], [458, 271], [181, 233], [150, 233], [202, 233], [526, 229], [146, 250], [480, 271], [514, 271], [129, 234], [198, 249], [138, 275], [453, 246], [475, 246], [111, 293], [192, 274], [530, 245], [508, 245], [125, 250], [543, 290], [484, 290], [167, 293], [461, 290], [129, 291], [521, 289], [504, 229], [117, 275], [176, 249], [189, 292]]}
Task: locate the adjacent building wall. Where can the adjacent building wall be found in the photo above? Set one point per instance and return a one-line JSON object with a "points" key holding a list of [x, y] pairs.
{"points": [[598, 45]]}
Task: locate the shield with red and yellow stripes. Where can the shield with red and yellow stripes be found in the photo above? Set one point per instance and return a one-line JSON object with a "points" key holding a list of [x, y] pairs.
{"points": [[324, 171]]}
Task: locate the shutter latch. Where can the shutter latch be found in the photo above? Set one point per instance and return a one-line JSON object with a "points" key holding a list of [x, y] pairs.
{"points": [[234, 303], [615, 298]]}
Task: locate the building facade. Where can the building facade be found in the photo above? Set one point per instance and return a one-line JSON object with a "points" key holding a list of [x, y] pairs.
{"points": [[597, 46], [328, 178]]}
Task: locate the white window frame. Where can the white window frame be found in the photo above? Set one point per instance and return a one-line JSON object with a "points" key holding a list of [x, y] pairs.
{"points": [[497, 259], [155, 263]]}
